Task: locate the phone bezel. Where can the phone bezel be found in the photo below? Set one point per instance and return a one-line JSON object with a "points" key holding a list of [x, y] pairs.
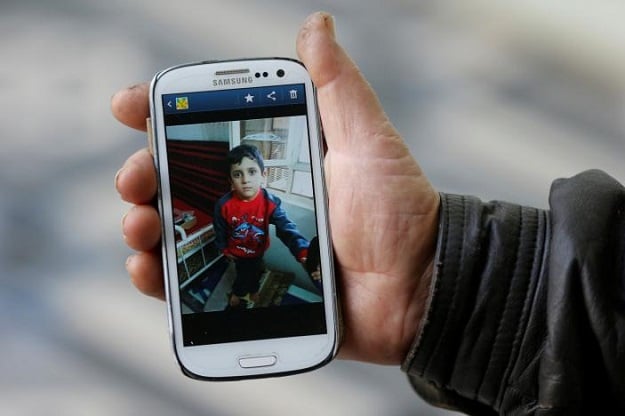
{"points": [[220, 361]]}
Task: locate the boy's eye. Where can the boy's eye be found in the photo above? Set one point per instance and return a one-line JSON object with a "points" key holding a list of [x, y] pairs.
{"points": [[236, 175], [252, 171]]}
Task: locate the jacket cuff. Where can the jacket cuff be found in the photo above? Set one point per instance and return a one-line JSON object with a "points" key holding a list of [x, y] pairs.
{"points": [[487, 261]]}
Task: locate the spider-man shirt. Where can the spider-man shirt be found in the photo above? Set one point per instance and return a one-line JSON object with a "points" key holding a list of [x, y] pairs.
{"points": [[242, 227]]}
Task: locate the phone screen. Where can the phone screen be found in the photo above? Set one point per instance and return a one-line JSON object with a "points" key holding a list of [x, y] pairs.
{"points": [[243, 209]]}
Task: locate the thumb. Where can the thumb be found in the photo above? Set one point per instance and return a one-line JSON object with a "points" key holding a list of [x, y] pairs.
{"points": [[349, 109]]}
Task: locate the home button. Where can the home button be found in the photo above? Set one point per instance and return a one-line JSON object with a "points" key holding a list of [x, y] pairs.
{"points": [[260, 361]]}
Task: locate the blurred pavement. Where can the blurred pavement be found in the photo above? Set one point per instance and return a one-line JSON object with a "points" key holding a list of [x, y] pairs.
{"points": [[494, 100]]}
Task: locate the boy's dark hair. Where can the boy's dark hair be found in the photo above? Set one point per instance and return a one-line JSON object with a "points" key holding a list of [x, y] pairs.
{"points": [[236, 154]]}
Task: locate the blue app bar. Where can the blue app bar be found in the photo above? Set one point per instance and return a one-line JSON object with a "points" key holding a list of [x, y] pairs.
{"points": [[234, 99]]}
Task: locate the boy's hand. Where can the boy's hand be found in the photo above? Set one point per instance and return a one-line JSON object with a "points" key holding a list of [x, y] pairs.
{"points": [[316, 275], [383, 211]]}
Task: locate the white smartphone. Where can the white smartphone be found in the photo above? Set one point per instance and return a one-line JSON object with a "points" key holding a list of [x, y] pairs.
{"points": [[246, 243]]}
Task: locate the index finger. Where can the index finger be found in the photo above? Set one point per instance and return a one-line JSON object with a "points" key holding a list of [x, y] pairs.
{"points": [[130, 106]]}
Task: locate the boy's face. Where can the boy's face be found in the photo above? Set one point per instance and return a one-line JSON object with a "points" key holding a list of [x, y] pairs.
{"points": [[246, 178]]}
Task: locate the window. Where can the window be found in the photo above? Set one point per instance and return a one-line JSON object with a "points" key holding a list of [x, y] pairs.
{"points": [[283, 143]]}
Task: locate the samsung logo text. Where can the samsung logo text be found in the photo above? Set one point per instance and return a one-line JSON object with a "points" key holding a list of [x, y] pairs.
{"points": [[232, 81]]}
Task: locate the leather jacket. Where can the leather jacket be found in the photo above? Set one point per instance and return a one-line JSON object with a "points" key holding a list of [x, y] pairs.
{"points": [[526, 314]]}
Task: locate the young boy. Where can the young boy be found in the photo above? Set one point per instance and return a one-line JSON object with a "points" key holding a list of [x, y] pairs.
{"points": [[242, 219]]}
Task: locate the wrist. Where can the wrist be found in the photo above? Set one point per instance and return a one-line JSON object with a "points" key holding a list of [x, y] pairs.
{"points": [[416, 315]]}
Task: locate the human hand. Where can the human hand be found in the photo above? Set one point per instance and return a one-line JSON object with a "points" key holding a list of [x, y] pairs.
{"points": [[383, 212], [316, 275]]}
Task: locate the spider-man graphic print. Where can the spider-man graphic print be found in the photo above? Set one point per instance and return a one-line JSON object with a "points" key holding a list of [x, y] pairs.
{"points": [[242, 227], [248, 234]]}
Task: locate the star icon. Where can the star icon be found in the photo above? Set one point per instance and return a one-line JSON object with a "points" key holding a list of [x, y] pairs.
{"points": [[249, 98]]}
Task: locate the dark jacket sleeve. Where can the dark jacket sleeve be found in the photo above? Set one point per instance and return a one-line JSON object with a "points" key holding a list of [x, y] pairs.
{"points": [[527, 310], [286, 230], [220, 227]]}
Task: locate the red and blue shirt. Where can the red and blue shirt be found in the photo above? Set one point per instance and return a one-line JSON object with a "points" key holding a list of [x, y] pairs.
{"points": [[242, 227]]}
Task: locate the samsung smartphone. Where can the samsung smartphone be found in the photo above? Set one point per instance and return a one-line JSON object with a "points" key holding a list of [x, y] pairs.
{"points": [[246, 243]]}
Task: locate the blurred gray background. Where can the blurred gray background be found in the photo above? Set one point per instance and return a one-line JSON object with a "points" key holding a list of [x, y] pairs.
{"points": [[496, 99]]}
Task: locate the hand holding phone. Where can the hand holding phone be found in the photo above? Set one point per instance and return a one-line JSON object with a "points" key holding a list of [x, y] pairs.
{"points": [[237, 149], [383, 210]]}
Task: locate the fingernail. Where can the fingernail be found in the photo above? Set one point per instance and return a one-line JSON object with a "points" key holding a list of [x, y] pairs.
{"points": [[327, 20], [117, 175], [123, 226], [129, 260], [330, 24]]}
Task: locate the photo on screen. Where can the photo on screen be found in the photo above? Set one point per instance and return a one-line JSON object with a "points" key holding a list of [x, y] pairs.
{"points": [[244, 243]]}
